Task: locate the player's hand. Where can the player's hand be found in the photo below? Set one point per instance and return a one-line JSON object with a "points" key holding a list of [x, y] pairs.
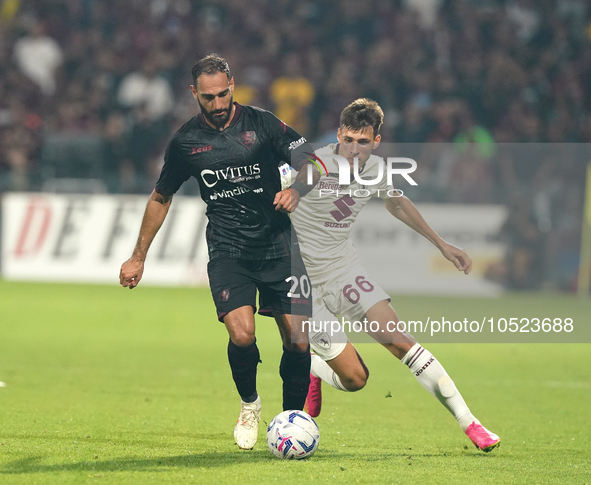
{"points": [[287, 200], [458, 257], [131, 273]]}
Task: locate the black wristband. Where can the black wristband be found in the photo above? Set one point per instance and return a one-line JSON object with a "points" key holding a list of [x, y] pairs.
{"points": [[300, 188]]}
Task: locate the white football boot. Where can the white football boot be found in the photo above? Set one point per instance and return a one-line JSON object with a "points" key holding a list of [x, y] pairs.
{"points": [[246, 430]]}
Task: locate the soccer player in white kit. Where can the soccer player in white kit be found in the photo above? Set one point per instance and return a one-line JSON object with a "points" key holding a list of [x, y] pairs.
{"points": [[341, 286]]}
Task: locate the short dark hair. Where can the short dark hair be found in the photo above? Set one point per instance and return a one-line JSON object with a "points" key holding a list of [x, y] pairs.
{"points": [[209, 65], [361, 114]]}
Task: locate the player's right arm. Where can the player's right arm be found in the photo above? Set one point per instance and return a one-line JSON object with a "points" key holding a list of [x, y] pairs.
{"points": [[173, 174], [154, 215]]}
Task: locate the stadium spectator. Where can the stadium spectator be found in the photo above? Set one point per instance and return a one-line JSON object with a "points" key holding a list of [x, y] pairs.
{"points": [[426, 11], [524, 245], [472, 172], [146, 87], [38, 57], [292, 93], [416, 126], [116, 153], [143, 144]]}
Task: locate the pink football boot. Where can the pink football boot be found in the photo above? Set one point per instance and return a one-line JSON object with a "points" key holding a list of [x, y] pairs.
{"points": [[314, 398], [482, 438]]}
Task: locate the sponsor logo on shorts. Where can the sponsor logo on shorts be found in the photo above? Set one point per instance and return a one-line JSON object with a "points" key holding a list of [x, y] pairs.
{"points": [[225, 295]]}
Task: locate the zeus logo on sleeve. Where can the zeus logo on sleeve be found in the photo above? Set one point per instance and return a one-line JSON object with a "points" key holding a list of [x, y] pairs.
{"points": [[247, 172]]}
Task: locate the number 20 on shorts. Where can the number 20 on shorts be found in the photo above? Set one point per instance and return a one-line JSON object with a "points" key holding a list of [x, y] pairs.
{"points": [[303, 283]]}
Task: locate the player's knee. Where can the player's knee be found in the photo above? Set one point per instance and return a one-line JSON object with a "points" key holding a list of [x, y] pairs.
{"points": [[243, 338], [356, 381], [354, 385]]}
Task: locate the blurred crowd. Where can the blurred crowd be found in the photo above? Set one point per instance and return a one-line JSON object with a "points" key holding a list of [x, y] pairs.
{"points": [[94, 88]]}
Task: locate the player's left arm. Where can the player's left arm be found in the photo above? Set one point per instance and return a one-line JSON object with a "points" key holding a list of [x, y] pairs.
{"points": [[287, 200], [404, 210]]}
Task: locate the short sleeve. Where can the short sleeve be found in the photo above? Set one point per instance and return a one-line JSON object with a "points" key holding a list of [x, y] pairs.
{"points": [[174, 172]]}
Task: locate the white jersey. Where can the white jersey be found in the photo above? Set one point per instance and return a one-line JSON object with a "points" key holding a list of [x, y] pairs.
{"points": [[323, 219]]}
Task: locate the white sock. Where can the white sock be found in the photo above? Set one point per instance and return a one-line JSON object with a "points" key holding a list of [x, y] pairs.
{"points": [[321, 369], [432, 376]]}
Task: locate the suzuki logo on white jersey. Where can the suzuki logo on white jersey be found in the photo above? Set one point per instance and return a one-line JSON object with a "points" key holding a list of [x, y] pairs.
{"points": [[213, 177]]}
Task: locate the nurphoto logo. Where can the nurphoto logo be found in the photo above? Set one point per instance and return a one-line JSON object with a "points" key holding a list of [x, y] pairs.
{"points": [[390, 167]]}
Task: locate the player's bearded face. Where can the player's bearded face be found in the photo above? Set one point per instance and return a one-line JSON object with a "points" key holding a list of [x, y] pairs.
{"points": [[218, 116], [357, 144], [214, 93]]}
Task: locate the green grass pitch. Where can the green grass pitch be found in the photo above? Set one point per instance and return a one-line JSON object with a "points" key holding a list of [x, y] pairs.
{"points": [[107, 385]]}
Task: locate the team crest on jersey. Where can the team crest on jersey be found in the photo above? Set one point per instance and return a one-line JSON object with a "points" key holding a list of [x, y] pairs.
{"points": [[247, 138], [225, 295]]}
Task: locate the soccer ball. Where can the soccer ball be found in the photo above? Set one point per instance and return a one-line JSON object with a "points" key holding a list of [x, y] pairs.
{"points": [[293, 435]]}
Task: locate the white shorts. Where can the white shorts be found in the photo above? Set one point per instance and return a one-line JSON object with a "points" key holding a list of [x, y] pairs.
{"points": [[350, 295]]}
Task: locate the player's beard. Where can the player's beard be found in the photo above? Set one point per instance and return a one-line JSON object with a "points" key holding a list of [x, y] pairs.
{"points": [[217, 120]]}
